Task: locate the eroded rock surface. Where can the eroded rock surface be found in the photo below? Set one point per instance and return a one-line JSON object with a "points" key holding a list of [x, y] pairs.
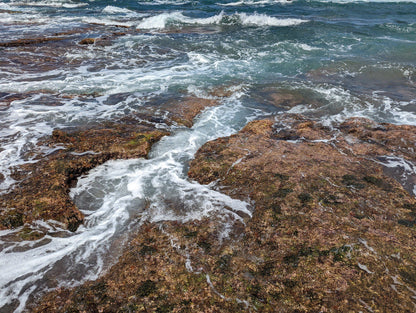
{"points": [[180, 110], [43, 187], [330, 231]]}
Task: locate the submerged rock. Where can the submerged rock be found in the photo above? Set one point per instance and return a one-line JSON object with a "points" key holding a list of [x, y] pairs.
{"points": [[30, 41], [330, 231], [87, 41], [179, 110]]}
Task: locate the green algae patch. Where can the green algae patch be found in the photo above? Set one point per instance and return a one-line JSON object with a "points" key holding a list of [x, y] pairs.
{"points": [[11, 219], [29, 234]]}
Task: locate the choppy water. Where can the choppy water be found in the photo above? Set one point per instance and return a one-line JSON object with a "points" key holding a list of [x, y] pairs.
{"points": [[344, 58]]}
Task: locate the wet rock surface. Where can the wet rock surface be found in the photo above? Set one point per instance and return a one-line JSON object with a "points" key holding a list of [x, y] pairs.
{"points": [[87, 41], [57, 51], [42, 191], [180, 111], [43, 187], [330, 231]]}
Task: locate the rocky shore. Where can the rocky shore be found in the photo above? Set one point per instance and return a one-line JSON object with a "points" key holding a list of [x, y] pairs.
{"points": [[332, 229], [306, 213], [42, 189]]}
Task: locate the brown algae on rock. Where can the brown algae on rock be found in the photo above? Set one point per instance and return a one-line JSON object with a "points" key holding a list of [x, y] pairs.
{"points": [[43, 187], [325, 236]]}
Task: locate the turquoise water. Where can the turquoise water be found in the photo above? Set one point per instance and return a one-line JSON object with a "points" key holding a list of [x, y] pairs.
{"points": [[362, 52], [342, 58]]}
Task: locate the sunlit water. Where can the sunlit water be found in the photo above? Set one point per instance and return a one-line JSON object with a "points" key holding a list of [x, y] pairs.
{"points": [[345, 58]]}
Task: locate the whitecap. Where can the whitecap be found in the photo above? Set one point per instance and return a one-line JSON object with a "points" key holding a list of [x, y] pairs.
{"points": [[163, 20], [265, 20], [50, 3], [254, 2], [165, 2], [109, 9], [365, 1], [106, 21]]}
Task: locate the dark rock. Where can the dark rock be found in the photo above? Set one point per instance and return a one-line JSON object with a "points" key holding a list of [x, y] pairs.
{"points": [[11, 219], [30, 41], [146, 288], [87, 41]]}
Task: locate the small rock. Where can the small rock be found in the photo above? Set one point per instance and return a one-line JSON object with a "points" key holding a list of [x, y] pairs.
{"points": [[87, 41]]}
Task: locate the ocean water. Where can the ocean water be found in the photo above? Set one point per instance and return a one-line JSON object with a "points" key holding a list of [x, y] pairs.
{"points": [[342, 58]]}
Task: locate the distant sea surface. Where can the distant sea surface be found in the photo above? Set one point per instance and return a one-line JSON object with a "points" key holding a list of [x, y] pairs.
{"points": [[343, 58]]}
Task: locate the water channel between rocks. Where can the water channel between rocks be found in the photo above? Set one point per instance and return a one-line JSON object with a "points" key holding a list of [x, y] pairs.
{"points": [[116, 198]]}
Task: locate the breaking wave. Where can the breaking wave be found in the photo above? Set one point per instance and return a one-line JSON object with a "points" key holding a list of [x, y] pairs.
{"points": [[165, 20], [363, 1], [254, 2], [51, 3]]}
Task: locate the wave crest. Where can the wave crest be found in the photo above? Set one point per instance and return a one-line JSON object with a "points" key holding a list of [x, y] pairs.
{"points": [[254, 2], [109, 9], [165, 20]]}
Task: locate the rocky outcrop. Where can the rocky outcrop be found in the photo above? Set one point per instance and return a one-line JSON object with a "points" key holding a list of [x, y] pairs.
{"points": [[30, 41], [180, 111], [87, 41], [330, 231], [42, 191], [43, 187], [185, 110]]}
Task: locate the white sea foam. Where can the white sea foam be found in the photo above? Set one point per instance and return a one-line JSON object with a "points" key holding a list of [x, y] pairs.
{"points": [[164, 20], [25, 121], [109, 9], [23, 18], [264, 20], [165, 2], [403, 170], [306, 47], [107, 21], [5, 6], [364, 1], [254, 2], [23, 124], [50, 3], [340, 104]]}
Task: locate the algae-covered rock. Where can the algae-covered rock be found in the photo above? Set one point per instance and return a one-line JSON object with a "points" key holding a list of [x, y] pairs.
{"points": [[329, 227], [43, 187], [330, 231], [181, 110], [42, 192], [87, 41]]}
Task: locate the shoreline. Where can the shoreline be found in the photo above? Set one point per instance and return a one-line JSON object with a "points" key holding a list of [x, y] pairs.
{"points": [[193, 156]]}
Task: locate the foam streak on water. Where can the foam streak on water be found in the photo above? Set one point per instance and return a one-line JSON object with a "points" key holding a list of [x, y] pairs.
{"points": [[400, 169], [114, 194]]}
